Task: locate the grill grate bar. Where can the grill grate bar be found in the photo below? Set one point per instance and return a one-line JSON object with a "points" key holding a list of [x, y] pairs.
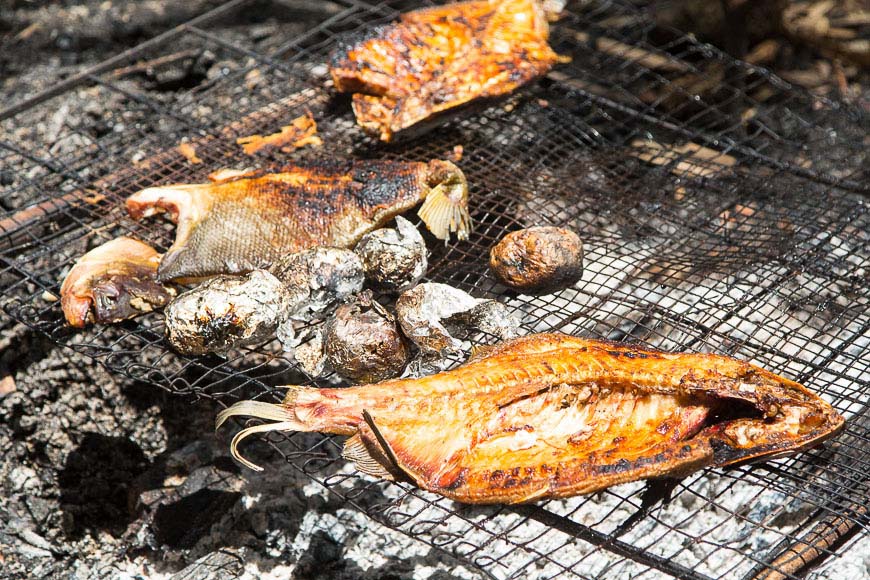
{"points": [[610, 543]]}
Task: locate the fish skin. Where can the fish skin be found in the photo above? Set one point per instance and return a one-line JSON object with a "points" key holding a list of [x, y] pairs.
{"points": [[435, 59], [251, 219], [552, 416], [113, 282]]}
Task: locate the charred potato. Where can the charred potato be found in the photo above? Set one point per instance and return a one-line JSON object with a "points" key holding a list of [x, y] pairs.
{"points": [[362, 342], [538, 260]]}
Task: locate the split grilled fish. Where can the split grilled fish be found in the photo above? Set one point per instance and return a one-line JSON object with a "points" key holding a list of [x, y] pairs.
{"points": [[435, 59], [113, 282], [247, 220], [551, 416]]}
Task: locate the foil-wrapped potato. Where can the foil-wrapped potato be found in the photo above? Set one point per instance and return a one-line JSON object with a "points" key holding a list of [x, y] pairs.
{"points": [[362, 342], [431, 313], [226, 312], [393, 259], [317, 278], [538, 260]]}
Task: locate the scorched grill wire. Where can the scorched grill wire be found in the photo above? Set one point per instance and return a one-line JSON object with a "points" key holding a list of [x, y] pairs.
{"points": [[722, 209]]}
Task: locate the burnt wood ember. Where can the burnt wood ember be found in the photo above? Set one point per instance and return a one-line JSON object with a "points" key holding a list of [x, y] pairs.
{"points": [[722, 210]]}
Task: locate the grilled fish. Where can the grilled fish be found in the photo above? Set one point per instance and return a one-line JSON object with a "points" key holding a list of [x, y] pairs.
{"points": [[247, 220], [551, 416], [435, 59], [113, 282]]}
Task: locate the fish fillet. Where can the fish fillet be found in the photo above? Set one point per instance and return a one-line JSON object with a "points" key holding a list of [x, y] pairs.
{"points": [[113, 282], [247, 220], [435, 59], [550, 416]]}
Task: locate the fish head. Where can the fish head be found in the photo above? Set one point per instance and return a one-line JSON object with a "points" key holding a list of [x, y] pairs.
{"points": [[757, 415]]}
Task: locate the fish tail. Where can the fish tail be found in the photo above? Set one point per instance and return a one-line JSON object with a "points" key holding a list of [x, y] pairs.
{"points": [[445, 209], [282, 416]]}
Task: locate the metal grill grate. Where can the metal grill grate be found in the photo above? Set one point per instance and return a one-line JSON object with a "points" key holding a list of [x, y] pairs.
{"points": [[722, 210]]}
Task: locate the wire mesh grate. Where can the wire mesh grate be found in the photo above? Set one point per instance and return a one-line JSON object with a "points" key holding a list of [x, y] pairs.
{"points": [[722, 210]]}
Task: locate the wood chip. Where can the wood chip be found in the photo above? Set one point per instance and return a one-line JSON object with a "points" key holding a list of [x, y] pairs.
{"points": [[456, 155], [28, 31], [646, 58], [300, 132], [7, 385], [686, 160], [189, 152], [764, 52]]}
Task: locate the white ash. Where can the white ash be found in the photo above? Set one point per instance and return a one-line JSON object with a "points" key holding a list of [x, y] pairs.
{"points": [[695, 529], [429, 312], [852, 561], [394, 259]]}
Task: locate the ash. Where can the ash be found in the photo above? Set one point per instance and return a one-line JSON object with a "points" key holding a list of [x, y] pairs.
{"points": [[105, 478]]}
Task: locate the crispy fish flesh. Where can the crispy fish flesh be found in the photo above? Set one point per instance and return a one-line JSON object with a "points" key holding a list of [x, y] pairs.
{"points": [[435, 59], [247, 220], [113, 282], [551, 416], [300, 132]]}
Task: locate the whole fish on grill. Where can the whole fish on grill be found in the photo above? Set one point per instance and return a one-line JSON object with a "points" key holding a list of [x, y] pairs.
{"points": [[113, 282], [550, 415], [436, 59], [247, 220]]}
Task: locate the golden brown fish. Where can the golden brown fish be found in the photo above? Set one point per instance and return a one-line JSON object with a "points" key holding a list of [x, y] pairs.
{"points": [[243, 221], [549, 416], [113, 282], [435, 59]]}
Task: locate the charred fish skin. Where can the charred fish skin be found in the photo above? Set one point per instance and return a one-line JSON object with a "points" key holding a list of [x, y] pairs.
{"points": [[552, 416], [250, 220], [113, 282], [436, 59]]}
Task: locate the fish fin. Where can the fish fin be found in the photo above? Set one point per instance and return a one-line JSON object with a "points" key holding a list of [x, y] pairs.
{"points": [[445, 209], [392, 462], [385, 445], [284, 420], [357, 451], [259, 409]]}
